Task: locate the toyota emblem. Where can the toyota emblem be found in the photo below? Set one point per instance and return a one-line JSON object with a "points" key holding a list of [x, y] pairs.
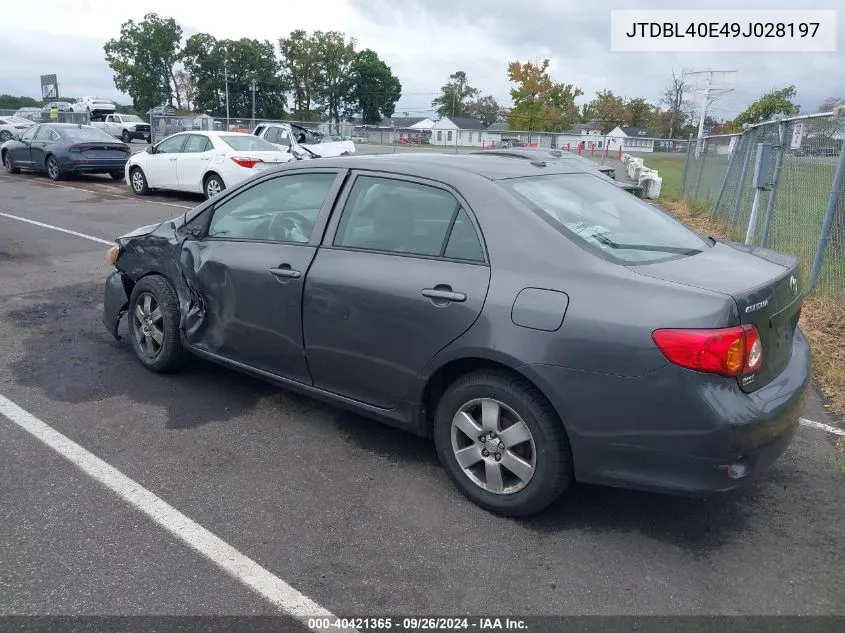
{"points": [[793, 285]]}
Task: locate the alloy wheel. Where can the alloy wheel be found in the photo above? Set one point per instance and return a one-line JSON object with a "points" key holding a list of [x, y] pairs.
{"points": [[52, 168], [493, 446], [212, 187], [137, 181], [148, 325]]}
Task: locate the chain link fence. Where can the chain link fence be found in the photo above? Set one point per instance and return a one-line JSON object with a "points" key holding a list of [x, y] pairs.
{"points": [[800, 207], [36, 115]]}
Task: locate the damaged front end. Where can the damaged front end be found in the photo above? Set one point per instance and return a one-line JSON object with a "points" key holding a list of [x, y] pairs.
{"points": [[145, 250]]}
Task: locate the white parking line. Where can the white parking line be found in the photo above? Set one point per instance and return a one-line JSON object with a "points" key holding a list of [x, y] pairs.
{"points": [[113, 195], [57, 228], [236, 564], [823, 427]]}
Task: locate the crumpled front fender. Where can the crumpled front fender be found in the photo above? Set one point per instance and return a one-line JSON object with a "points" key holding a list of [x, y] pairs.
{"points": [[115, 302]]}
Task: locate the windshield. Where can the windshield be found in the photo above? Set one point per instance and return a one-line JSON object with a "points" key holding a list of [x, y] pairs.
{"points": [[248, 143], [605, 217], [85, 133]]}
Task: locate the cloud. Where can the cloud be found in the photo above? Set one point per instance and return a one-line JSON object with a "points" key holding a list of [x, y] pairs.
{"points": [[423, 41]]}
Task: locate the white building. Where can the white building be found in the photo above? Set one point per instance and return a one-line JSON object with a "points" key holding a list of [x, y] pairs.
{"points": [[458, 131], [631, 139]]}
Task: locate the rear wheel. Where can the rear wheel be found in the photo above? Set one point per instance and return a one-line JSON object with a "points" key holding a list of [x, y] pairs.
{"points": [[502, 443], [5, 135], [53, 170], [7, 163], [154, 324], [138, 181], [213, 186], [125, 137]]}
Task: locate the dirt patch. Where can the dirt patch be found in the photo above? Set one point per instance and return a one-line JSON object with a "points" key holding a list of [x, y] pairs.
{"points": [[822, 321]]}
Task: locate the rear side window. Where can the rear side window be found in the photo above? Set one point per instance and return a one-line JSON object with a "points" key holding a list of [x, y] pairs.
{"points": [[409, 218], [604, 217]]}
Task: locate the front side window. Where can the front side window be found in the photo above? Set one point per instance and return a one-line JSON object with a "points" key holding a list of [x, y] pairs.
{"points": [[30, 133], [405, 217], [283, 209], [172, 145], [605, 217]]}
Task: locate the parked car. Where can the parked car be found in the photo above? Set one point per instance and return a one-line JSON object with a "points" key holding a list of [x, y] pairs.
{"points": [[126, 127], [540, 324], [294, 139], [64, 149], [12, 127], [94, 106], [31, 114], [201, 162]]}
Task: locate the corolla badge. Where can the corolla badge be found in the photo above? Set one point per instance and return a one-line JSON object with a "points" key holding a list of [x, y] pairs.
{"points": [[793, 285]]}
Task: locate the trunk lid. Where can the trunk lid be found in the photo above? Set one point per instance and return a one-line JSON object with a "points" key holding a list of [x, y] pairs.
{"points": [[99, 151], [765, 285]]}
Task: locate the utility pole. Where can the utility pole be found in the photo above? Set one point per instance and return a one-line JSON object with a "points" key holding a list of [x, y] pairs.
{"points": [[253, 88], [710, 84], [226, 81]]}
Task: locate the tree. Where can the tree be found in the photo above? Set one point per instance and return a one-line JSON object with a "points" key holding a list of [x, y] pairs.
{"points": [[143, 59], [831, 103], [770, 104], [9, 102], [454, 96], [539, 103], [184, 89], [640, 113], [375, 89], [486, 110], [209, 62], [673, 99], [333, 60], [609, 109], [299, 64]]}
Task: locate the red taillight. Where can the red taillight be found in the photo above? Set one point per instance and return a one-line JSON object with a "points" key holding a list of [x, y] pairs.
{"points": [[20, 127], [78, 148], [728, 352], [246, 161]]}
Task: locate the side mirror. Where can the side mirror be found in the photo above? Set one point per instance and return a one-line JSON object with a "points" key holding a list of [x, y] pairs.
{"points": [[149, 149]]}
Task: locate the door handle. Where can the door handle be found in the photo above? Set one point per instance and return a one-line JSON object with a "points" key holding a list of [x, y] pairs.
{"points": [[444, 293], [171, 159], [286, 272]]}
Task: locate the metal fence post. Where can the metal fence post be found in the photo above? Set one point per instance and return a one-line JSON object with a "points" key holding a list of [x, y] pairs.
{"points": [[704, 147], [686, 167], [770, 205], [830, 213], [724, 183], [741, 185]]}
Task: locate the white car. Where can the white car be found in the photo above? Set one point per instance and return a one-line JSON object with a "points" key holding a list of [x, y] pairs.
{"points": [[201, 162], [95, 106], [12, 127]]}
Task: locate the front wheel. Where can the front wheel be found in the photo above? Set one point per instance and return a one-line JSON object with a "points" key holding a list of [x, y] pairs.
{"points": [[53, 170], [502, 444], [7, 163], [138, 181], [154, 324]]}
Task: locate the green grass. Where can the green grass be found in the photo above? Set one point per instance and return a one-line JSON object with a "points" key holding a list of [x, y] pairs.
{"points": [[671, 170]]}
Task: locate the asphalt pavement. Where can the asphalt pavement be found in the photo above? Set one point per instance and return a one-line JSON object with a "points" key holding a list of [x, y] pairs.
{"points": [[358, 517]]}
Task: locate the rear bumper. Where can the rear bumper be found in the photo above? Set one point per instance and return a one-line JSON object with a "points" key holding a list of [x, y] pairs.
{"points": [[115, 302], [92, 166], [677, 431]]}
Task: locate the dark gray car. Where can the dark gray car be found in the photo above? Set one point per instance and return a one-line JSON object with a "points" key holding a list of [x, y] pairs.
{"points": [[542, 325]]}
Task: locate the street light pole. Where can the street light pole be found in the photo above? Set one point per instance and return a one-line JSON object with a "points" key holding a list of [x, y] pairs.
{"points": [[226, 81], [253, 88]]}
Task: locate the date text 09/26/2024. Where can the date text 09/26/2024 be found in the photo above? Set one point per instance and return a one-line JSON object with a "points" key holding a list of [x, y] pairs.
{"points": [[401, 625]]}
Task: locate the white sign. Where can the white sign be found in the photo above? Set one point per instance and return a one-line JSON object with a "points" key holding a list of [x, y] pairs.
{"points": [[797, 134]]}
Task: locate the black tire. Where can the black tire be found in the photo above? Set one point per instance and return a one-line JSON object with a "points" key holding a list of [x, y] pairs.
{"points": [[52, 167], [138, 181], [149, 139], [7, 163], [116, 175], [125, 137], [168, 354], [5, 135], [552, 456], [209, 183]]}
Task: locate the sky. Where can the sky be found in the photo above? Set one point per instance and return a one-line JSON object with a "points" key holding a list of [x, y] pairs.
{"points": [[423, 41]]}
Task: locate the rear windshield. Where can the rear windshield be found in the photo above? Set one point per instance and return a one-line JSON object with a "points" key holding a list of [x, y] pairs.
{"points": [[86, 134], [605, 218], [248, 143]]}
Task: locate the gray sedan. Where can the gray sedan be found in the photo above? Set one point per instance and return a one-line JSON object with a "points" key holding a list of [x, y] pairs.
{"points": [[540, 324]]}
